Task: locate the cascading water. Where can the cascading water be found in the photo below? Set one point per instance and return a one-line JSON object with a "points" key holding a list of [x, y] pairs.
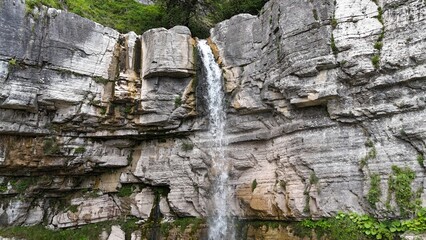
{"points": [[219, 221]]}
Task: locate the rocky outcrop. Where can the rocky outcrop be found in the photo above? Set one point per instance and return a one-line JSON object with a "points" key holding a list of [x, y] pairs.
{"points": [[325, 107]]}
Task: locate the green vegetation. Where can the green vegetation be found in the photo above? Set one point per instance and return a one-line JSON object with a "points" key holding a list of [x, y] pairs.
{"points": [[253, 185], [380, 15], [178, 101], [333, 23], [80, 150], [123, 15], [3, 186], [371, 154], [187, 146], [369, 143], [128, 15], [349, 226], [375, 60], [333, 46], [399, 184], [13, 62], [22, 184], [125, 190], [313, 179], [315, 13], [421, 160], [100, 80], [88, 232], [73, 208], [378, 45], [128, 109], [50, 146], [375, 191], [103, 110]]}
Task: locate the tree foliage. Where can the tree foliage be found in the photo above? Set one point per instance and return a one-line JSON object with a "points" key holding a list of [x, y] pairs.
{"points": [[129, 15]]}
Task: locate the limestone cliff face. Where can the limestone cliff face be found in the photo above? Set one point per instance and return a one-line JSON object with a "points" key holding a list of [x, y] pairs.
{"points": [[322, 96]]}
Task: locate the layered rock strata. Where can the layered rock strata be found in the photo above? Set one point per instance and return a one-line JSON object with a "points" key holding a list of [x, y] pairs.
{"points": [[322, 97]]}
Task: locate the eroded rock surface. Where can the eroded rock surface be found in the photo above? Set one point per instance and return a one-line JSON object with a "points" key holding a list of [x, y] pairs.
{"points": [[322, 96]]}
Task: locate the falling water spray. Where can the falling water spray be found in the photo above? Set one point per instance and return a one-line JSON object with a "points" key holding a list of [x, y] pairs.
{"points": [[220, 226]]}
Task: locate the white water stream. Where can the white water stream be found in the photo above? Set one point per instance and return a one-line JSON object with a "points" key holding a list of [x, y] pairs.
{"points": [[220, 224]]}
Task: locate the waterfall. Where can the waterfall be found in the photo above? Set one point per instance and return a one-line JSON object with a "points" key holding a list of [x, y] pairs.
{"points": [[219, 219]]}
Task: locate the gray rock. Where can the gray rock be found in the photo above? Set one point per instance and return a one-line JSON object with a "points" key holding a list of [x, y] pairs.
{"points": [[167, 53]]}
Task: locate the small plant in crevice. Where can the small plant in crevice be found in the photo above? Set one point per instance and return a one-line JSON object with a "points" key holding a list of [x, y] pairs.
{"points": [[333, 23], [80, 150], [22, 184], [253, 185], [100, 80], [375, 192], [371, 154], [103, 110], [421, 160], [333, 46], [375, 60], [125, 190], [378, 45], [313, 179], [369, 143], [315, 13], [73, 208], [128, 109], [178, 101], [13, 62], [187, 146], [380, 15], [306, 208], [50, 146]]}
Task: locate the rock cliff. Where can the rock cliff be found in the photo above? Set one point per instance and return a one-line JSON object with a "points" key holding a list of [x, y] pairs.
{"points": [[325, 109]]}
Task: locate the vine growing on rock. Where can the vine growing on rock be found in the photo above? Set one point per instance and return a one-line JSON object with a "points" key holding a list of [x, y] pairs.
{"points": [[375, 191], [399, 185]]}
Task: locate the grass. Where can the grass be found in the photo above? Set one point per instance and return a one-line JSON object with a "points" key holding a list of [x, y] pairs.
{"points": [[123, 15], [129, 15]]}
